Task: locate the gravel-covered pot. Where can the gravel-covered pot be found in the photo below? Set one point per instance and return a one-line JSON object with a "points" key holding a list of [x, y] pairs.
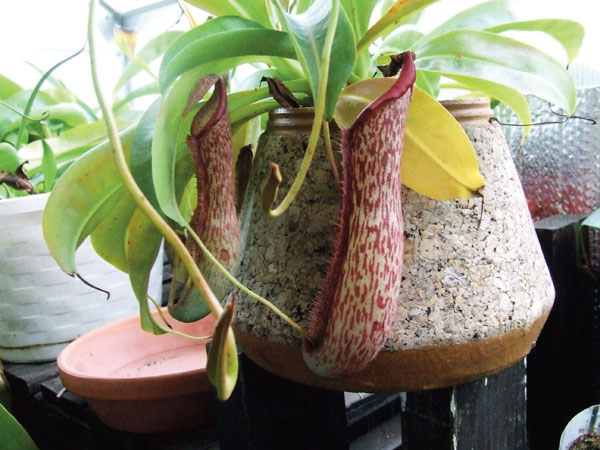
{"points": [[475, 290]]}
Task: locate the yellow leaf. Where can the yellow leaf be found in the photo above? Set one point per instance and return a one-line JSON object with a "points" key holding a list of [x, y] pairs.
{"points": [[439, 160]]}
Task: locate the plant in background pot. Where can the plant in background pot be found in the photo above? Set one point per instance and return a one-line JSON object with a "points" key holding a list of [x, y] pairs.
{"points": [[324, 54], [41, 309]]}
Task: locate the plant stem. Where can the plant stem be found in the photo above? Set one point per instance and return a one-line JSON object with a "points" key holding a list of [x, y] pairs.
{"points": [[330, 157], [170, 330], [185, 10], [134, 190], [318, 120], [243, 288]]}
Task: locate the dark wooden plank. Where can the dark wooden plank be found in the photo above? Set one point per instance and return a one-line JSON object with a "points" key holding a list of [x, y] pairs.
{"points": [[267, 412], [54, 392], [27, 378], [427, 420], [369, 413], [385, 436], [371, 404], [484, 414], [491, 412], [563, 368]]}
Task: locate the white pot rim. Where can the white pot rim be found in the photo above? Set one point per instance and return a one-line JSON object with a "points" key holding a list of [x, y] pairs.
{"points": [[23, 204], [582, 423]]}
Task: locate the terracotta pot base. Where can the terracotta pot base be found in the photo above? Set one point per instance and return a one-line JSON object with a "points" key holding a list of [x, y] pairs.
{"points": [[428, 367]]}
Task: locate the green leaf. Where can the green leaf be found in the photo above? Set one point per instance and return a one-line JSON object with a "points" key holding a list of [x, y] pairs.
{"points": [[29, 105], [252, 81], [438, 159], [391, 19], [12, 435], [172, 126], [568, 33], [245, 113], [108, 237], [48, 166], [69, 113], [501, 60], [149, 89], [9, 158], [69, 144], [60, 95], [302, 6], [308, 32], [219, 39], [18, 102], [359, 12], [244, 98], [150, 52], [143, 242], [8, 87], [141, 153], [428, 82], [510, 97], [593, 220], [80, 200], [61, 86], [222, 363], [253, 10], [400, 40], [478, 17]]}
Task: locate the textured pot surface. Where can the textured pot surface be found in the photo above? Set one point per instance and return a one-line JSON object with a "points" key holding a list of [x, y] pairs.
{"points": [[41, 308], [473, 275]]}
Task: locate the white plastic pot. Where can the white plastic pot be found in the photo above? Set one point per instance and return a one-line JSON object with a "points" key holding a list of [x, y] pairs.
{"points": [[585, 422], [41, 308]]}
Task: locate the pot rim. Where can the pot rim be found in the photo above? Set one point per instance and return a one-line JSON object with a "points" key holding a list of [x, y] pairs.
{"points": [[23, 204], [103, 387]]}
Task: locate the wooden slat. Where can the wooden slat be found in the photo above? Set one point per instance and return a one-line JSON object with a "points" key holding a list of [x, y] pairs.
{"points": [[484, 414], [267, 412], [562, 369], [29, 377]]}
